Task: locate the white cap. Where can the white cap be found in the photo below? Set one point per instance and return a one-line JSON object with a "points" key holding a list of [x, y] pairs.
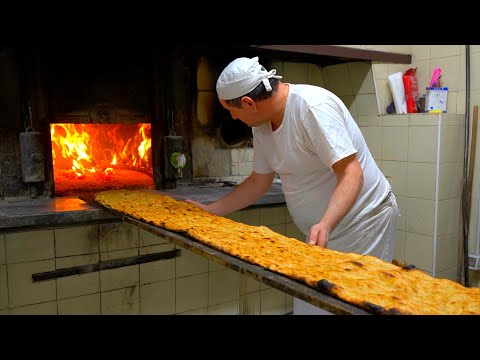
{"points": [[241, 76]]}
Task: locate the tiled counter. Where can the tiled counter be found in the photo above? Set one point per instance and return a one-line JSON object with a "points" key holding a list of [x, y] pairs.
{"points": [[77, 234]]}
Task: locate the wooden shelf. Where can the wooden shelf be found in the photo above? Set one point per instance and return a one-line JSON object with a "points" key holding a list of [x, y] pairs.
{"points": [[332, 54]]}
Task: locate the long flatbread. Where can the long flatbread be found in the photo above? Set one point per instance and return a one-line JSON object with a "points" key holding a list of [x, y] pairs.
{"points": [[365, 281]]}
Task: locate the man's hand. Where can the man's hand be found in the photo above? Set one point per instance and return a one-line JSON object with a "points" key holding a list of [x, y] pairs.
{"points": [[319, 234], [200, 205]]}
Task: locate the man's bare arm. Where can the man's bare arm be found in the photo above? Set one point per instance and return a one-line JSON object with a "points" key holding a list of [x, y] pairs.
{"points": [[246, 193], [349, 183]]}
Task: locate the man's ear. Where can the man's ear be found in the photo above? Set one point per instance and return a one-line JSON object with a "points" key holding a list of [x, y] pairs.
{"points": [[249, 102]]}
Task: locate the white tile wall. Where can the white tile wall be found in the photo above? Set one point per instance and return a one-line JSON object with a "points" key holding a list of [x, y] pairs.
{"points": [[81, 305], [158, 298], [124, 301], [191, 292], [29, 246], [22, 290]]}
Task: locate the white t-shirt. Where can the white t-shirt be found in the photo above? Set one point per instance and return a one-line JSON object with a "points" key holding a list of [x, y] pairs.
{"points": [[317, 131]]}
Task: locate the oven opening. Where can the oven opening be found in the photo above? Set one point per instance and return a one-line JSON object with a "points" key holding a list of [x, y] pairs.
{"points": [[88, 158]]}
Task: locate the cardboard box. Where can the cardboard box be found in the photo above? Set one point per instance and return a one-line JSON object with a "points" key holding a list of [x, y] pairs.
{"points": [[436, 99]]}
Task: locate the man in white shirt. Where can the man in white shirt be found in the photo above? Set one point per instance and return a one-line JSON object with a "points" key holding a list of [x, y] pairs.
{"points": [[334, 190]]}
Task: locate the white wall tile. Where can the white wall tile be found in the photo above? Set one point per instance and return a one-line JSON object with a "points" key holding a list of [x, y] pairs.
{"points": [[461, 102], [475, 71], [441, 51], [272, 216], [191, 293], [124, 301], [117, 236], [229, 308], [419, 250], [373, 138], [452, 144], [368, 120], [29, 246], [118, 278], [3, 287], [396, 173], [419, 215], [223, 286], [399, 253], [245, 168], [158, 298], [77, 240], [450, 181], [422, 144], [462, 73], [449, 215], [82, 305], [447, 252], [395, 143], [3, 259], [452, 102], [159, 270], [190, 263], [361, 77], [380, 70], [46, 308], [450, 274], [395, 120], [338, 80], [201, 311], [295, 72], [250, 217], [247, 284], [213, 266], [119, 254], [315, 75], [77, 285], [421, 180], [21, 288], [420, 52], [250, 304], [147, 239], [366, 104], [272, 302]]}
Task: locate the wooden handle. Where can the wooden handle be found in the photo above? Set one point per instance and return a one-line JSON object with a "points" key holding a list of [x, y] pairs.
{"points": [[471, 165]]}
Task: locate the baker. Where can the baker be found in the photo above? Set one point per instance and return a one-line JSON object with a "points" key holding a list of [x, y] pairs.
{"points": [[334, 190]]}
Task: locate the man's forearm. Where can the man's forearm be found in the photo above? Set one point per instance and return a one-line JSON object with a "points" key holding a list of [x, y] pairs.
{"points": [[246, 193], [342, 200]]}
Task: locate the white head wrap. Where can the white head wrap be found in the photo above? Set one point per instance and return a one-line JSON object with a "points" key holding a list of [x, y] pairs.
{"points": [[241, 76]]}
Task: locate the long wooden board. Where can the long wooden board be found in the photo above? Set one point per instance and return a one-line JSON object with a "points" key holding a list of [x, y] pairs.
{"points": [[258, 273]]}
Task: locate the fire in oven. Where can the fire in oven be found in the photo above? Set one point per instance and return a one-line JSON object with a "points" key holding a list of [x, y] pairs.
{"points": [[96, 157]]}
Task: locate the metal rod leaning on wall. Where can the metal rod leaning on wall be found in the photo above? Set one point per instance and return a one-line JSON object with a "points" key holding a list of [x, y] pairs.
{"points": [[105, 265]]}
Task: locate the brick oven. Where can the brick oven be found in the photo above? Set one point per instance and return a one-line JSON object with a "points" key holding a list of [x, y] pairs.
{"points": [[84, 119], [80, 119]]}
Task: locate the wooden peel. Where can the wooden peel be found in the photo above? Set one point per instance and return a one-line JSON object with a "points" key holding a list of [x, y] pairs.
{"points": [[471, 165]]}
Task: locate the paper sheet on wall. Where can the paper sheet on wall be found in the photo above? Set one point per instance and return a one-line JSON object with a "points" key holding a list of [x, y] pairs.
{"points": [[398, 92]]}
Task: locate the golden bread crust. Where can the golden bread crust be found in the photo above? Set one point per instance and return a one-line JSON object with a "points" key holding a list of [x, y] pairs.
{"points": [[361, 280]]}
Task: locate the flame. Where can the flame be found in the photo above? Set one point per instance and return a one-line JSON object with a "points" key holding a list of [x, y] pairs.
{"points": [[100, 147]]}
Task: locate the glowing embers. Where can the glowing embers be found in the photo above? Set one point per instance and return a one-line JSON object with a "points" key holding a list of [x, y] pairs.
{"points": [[95, 157]]}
